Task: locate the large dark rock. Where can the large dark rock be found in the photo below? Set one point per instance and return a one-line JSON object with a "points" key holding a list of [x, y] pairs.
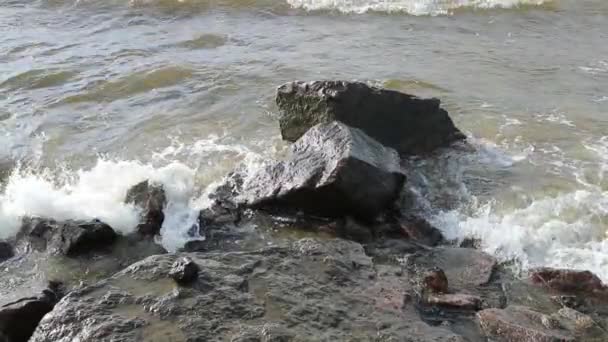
{"points": [[332, 171], [152, 200], [322, 290], [71, 237], [6, 251], [407, 123], [517, 323], [19, 319]]}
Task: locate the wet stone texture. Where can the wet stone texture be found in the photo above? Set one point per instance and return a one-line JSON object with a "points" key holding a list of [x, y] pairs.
{"points": [[327, 289], [407, 123]]}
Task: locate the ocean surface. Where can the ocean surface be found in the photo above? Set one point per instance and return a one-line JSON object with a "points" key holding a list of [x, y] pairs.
{"points": [[97, 95]]}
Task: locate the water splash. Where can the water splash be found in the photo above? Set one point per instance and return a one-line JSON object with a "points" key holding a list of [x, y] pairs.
{"points": [[413, 7]]}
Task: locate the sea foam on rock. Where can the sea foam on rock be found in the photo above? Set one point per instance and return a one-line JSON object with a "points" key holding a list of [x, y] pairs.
{"points": [[152, 200], [407, 123]]}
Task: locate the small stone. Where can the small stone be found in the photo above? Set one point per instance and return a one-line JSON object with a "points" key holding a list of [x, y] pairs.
{"points": [[435, 281], [184, 271], [455, 301], [580, 320]]}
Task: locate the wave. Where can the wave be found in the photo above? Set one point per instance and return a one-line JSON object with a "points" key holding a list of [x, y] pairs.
{"points": [[413, 7], [564, 229], [99, 191]]}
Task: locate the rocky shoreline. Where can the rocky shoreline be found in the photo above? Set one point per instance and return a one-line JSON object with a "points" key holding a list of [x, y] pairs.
{"points": [[357, 264]]}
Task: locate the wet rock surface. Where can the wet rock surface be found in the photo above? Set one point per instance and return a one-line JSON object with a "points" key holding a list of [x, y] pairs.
{"points": [[409, 124], [19, 319], [70, 238], [332, 171], [152, 200], [568, 281], [6, 251], [329, 290], [518, 323], [184, 271]]}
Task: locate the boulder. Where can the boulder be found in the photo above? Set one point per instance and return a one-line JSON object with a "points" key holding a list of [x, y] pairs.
{"points": [[521, 324], [332, 171], [6, 251], [19, 319], [568, 281], [326, 290], [71, 237], [407, 123], [152, 200]]}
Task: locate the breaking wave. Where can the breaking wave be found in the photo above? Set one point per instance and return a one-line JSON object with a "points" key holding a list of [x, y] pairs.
{"points": [[413, 7]]}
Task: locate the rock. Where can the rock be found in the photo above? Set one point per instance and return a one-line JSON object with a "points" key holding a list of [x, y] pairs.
{"points": [[409, 124], [332, 171], [518, 323], [151, 198], [420, 230], [19, 319], [468, 272], [184, 271], [71, 237], [457, 301], [6, 251], [568, 281], [218, 215], [435, 281], [311, 289], [579, 320], [465, 268]]}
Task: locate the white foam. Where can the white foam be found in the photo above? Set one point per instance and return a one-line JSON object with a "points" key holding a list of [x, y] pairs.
{"points": [[557, 231], [98, 192], [414, 7], [565, 230]]}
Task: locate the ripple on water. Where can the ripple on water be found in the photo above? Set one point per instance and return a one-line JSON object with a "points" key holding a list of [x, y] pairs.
{"points": [[132, 84], [38, 78], [205, 41]]}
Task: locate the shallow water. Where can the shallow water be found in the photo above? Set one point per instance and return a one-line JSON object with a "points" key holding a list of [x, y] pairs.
{"points": [[96, 95]]}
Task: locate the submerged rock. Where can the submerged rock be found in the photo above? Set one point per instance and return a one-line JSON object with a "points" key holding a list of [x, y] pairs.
{"points": [[420, 230], [311, 289], [518, 323], [465, 268], [6, 251], [151, 198], [409, 124], [19, 319], [568, 281], [71, 237], [332, 171]]}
